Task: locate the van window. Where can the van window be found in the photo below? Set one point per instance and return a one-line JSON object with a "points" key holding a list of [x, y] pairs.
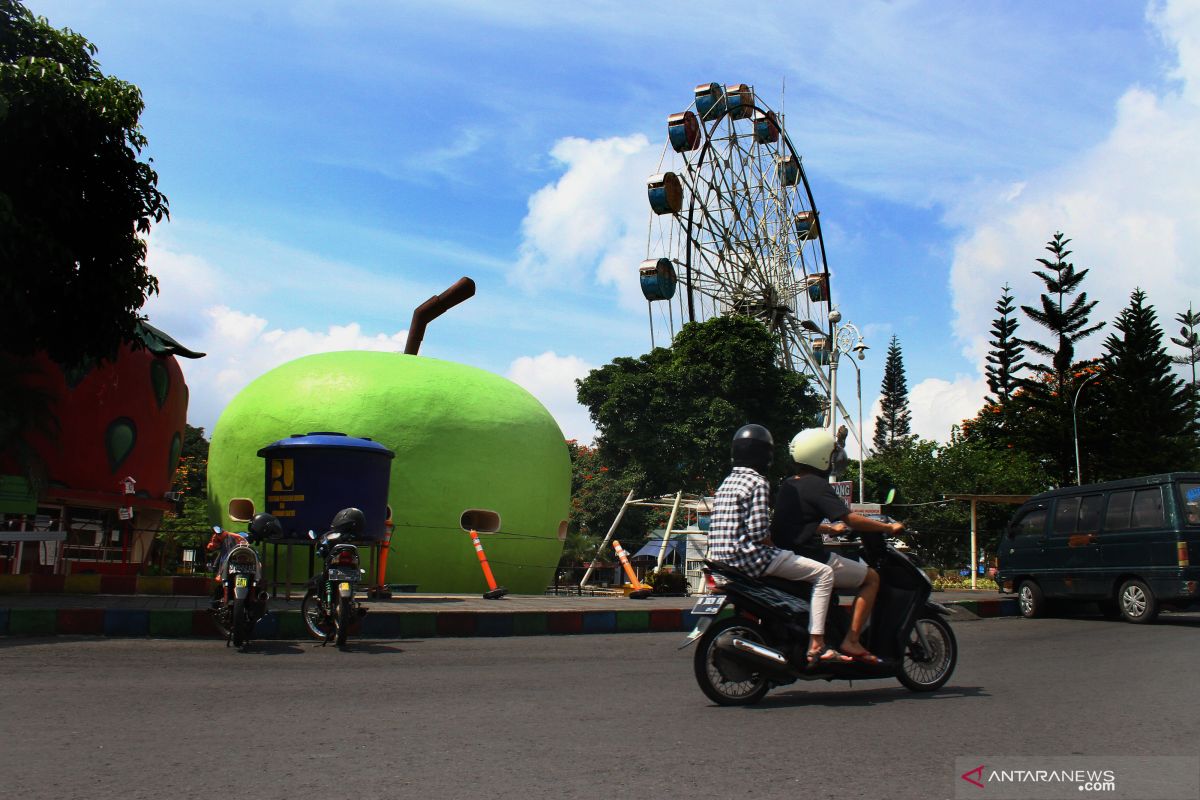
{"points": [[1148, 509], [1066, 512], [1191, 503], [1089, 513], [1031, 523], [1117, 517]]}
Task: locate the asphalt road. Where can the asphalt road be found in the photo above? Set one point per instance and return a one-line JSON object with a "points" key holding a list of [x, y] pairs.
{"points": [[574, 716]]}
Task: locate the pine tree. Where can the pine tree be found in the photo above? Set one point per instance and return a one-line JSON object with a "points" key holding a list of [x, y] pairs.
{"points": [[892, 425], [1147, 414], [1053, 389], [1189, 340], [1007, 356]]}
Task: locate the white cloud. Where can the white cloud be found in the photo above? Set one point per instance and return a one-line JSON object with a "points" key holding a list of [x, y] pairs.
{"points": [[551, 379], [1130, 204], [590, 225]]}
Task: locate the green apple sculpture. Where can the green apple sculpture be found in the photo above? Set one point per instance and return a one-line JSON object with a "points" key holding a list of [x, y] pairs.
{"points": [[465, 439]]}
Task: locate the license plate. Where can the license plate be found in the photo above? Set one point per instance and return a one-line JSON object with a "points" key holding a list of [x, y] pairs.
{"points": [[709, 605], [240, 582], [344, 588], [348, 575]]}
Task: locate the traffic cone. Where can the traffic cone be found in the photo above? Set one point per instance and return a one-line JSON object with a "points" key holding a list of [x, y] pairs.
{"points": [[494, 592], [639, 592]]}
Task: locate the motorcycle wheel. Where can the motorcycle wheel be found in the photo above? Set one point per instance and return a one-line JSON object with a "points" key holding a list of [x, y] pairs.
{"points": [[316, 621], [220, 616], [240, 627], [923, 671], [724, 682], [345, 608]]}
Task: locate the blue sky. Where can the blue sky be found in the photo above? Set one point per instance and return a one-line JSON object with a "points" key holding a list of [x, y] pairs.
{"points": [[331, 165]]}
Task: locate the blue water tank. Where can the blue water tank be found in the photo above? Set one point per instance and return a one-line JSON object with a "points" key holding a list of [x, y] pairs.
{"points": [[310, 477]]}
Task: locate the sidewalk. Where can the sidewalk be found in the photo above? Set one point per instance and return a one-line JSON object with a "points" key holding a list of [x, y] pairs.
{"points": [[403, 616]]}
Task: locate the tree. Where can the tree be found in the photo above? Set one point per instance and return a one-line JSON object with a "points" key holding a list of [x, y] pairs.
{"points": [[892, 426], [665, 419], [1051, 389], [922, 472], [1189, 340], [75, 200], [1007, 356], [1147, 415]]}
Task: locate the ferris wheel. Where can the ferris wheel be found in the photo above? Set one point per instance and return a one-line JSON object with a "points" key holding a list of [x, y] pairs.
{"points": [[734, 230]]}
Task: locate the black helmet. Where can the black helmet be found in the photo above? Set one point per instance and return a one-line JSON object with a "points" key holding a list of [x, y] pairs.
{"points": [[753, 447], [349, 520], [264, 526]]}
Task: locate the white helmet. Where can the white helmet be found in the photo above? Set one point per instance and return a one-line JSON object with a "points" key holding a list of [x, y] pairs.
{"points": [[813, 447]]}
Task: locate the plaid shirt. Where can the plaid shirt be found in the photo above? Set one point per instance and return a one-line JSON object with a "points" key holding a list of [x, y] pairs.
{"points": [[740, 527]]}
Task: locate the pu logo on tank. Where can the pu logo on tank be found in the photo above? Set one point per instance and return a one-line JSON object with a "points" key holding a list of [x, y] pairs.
{"points": [[283, 475]]}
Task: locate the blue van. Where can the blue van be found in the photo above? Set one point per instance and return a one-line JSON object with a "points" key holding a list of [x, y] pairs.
{"points": [[1132, 545]]}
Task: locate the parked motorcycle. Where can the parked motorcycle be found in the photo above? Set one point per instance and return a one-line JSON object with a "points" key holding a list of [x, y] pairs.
{"points": [[238, 599], [764, 644], [329, 607]]}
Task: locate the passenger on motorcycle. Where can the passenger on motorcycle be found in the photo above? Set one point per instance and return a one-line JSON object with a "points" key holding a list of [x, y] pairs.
{"points": [[740, 533], [802, 505]]}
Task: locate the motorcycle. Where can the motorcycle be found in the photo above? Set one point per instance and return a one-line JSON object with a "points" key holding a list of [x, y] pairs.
{"points": [[238, 600], [764, 643], [329, 607]]}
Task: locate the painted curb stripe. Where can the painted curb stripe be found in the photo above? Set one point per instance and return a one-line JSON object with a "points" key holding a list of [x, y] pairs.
{"points": [[564, 622], [14, 584], [495, 625], [118, 584], [147, 584], [600, 622], [80, 621], [170, 622], [81, 584], [377, 624], [32, 621], [46, 584], [126, 622]]}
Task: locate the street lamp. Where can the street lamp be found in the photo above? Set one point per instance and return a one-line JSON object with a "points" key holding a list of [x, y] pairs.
{"points": [[1075, 426], [860, 349]]}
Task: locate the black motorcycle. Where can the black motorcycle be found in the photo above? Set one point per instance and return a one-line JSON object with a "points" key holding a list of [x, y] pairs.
{"points": [[239, 601], [329, 607], [764, 643]]}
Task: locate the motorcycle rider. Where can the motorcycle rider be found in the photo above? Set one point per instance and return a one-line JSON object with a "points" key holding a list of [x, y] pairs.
{"points": [[740, 534], [801, 506]]}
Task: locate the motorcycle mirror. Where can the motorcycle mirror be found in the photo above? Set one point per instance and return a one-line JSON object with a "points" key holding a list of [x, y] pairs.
{"points": [[311, 535], [891, 495], [363, 571], [216, 528]]}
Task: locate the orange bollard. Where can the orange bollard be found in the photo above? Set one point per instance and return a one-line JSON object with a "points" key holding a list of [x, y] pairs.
{"points": [[639, 592], [381, 576], [494, 591]]}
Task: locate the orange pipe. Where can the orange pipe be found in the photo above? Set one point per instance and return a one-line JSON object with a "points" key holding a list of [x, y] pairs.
{"points": [[625, 563], [383, 553], [487, 571]]}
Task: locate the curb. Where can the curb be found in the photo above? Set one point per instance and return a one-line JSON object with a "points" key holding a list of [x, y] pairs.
{"points": [[172, 585], [189, 623]]}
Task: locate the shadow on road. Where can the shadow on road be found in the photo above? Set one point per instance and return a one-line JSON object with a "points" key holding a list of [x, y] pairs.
{"points": [[269, 648], [860, 699], [364, 648]]}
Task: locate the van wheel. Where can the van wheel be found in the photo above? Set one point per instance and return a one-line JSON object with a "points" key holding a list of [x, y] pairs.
{"points": [[1138, 603], [1031, 600]]}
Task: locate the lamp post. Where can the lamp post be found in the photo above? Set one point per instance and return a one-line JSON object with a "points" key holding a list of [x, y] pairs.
{"points": [[1075, 426], [861, 350], [845, 337]]}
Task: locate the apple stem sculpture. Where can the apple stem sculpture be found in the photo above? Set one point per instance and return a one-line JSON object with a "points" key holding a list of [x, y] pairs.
{"points": [[639, 592], [494, 592], [434, 307]]}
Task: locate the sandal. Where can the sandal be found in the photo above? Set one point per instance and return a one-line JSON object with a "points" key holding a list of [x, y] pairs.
{"points": [[867, 658], [827, 656]]}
